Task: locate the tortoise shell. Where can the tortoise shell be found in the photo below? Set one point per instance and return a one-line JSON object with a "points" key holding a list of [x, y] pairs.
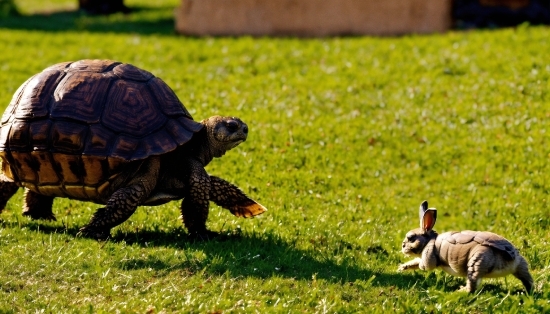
{"points": [[73, 125]]}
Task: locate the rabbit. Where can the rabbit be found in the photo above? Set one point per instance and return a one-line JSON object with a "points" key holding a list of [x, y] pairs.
{"points": [[471, 254]]}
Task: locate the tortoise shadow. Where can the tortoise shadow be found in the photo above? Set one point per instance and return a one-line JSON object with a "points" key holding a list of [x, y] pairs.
{"points": [[260, 255], [256, 255], [77, 20], [264, 256]]}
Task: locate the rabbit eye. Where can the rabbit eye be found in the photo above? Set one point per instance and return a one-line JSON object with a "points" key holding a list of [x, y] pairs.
{"points": [[410, 238]]}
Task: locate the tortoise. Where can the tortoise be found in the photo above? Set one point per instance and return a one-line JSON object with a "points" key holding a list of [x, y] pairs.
{"points": [[113, 134]]}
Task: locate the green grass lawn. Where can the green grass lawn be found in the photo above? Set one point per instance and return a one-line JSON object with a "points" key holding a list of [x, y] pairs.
{"points": [[347, 137]]}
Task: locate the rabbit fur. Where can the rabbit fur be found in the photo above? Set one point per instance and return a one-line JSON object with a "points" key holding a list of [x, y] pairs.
{"points": [[471, 254]]}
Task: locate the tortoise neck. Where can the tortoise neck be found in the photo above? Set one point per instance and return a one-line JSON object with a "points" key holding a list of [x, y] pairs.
{"points": [[200, 148]]}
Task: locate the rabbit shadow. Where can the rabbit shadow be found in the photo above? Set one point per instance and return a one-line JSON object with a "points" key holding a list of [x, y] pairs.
{"points": [[448, 284], [241, 255]]}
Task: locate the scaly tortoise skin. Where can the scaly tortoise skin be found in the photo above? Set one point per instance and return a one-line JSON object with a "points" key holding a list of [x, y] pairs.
{"points": [[114, 134]]}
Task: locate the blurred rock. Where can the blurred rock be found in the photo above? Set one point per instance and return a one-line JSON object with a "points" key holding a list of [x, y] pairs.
{"points": [[101, 7], [8, 8], [500, 13], [312, 17]]}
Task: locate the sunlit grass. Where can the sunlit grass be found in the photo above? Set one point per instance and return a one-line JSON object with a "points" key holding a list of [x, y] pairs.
{"points": [[347, 137]]}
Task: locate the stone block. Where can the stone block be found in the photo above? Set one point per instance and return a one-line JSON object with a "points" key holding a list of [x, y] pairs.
{"points": [[312, 18]]}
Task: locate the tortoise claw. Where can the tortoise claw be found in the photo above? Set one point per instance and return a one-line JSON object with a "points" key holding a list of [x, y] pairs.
{"points": [[93, 233], [248, 211]]}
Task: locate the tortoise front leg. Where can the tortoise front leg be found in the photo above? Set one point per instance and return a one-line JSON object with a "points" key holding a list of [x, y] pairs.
{"points": [[195, 204], [232, 198], [120, 207], [38, 206]]}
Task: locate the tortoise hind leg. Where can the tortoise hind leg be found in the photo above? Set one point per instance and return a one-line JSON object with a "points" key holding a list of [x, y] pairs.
{"points": [[122, 204], [38, 206], [232, 198], [124, 201], [7, 190]]}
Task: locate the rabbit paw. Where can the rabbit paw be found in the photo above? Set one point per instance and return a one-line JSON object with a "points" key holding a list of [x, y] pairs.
{"points": [[402, 268], [464, 289], [414, 264]]}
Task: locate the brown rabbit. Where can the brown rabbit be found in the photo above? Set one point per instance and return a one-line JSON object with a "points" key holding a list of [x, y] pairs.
{"points": [[471, 254]]}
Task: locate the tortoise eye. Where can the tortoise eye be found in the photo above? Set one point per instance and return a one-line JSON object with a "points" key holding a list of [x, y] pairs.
{"points": [[232, 125]]}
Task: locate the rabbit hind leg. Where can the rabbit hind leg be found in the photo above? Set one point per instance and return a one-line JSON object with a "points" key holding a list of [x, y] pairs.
{"points": [[471, 285], [522, 273], [479, 265]]}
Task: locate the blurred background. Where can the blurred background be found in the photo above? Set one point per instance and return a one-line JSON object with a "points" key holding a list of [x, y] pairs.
{"points": [[284, 17]]}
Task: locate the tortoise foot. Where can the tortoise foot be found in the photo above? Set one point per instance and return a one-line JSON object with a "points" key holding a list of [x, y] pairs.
{"points": [[40, 216], [37, 206], [94, 233], [205, 235]]}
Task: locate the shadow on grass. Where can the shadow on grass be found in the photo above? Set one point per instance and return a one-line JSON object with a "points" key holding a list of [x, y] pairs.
{"points": [[266, 256], [257, 255], [142, 20]]}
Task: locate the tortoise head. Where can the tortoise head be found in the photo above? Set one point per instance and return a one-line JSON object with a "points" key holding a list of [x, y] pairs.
{"points": [[224, 133]]}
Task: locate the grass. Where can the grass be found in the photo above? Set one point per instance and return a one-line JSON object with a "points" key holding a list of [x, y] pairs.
{"points": [[348, 136]]}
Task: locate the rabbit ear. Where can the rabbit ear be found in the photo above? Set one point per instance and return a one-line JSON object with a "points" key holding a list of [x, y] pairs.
{"points": [[428, 216], [423, 208]]}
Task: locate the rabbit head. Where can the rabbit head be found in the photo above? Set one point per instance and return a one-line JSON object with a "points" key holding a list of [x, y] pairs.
{"points": [[417, 239]]}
